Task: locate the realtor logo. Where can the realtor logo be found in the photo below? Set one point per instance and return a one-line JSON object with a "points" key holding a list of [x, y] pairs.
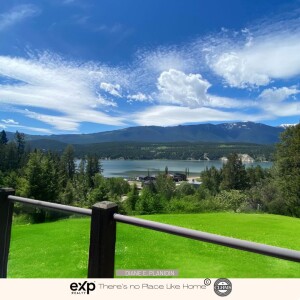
{"points": [[223, 287], [82, 288]]}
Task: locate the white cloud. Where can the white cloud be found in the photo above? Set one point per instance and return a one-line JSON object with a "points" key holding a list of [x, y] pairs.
{"points": [[18, 126], [165, 58], [258, 55], [58, 122], [277, 102], [227, 103], [178, 88], [139, 97], [68, 90], [64, 94], [276, 95], [113, 89], [17, 14], [283, 110], [175, 115], [252, 57], [10, 121], [238, 71]]}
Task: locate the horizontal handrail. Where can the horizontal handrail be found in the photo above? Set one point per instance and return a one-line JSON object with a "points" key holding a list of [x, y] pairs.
{"points": [[263, 249], [283, 253], [52, 206]]}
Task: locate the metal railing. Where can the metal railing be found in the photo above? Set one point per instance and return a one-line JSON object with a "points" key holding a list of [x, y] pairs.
{"points": [[104, 217]]}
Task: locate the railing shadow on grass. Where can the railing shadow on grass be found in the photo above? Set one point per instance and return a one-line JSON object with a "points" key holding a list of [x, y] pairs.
{"points": [[104, 217]]}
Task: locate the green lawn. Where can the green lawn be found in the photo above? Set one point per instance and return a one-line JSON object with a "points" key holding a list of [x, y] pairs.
{"points": [[60, 249]]}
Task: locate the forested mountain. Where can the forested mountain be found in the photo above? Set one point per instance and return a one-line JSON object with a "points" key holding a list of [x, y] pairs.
{"points": [[179, 150], [146, 150], [240, 132]]}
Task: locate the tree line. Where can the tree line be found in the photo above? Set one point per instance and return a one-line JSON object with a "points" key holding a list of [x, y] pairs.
{"points": [[220, 190], [54, 177], [232, 188], [174, 150], [160, 150]]}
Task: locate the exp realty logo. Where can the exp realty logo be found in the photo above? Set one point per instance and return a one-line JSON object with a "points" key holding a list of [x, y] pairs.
{"points": [[223, 287], [82, 288]]}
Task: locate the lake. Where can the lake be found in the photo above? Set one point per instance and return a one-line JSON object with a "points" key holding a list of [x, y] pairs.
{"points": [[133, 168]]}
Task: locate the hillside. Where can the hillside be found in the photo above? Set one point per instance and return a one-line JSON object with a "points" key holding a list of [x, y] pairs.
{"points": [[240, 132], [146, 150]]}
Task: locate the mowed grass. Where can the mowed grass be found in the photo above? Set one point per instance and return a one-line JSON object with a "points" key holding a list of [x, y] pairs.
{"points": [[60, 249]]}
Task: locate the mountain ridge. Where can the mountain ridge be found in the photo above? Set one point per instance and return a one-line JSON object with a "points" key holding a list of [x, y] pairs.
{"points": [[241, 132]]}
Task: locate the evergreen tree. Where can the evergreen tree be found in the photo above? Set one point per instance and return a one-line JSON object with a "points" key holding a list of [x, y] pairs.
{"points": [[234, 175], [256, 174], [3, 138], [93, 167], [41, 181], [20, 140], [41, 177], [1, 179], [20, 144], [68, 162], [211, 179], [100, 191], [3, 142], [132, 199], [11, 158], [166, 170], [287, 169], [81, 184], [69, 194]]}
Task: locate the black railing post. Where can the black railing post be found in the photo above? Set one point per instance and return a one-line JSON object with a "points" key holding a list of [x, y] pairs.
{"points": [[6, 213], [102, 240]]}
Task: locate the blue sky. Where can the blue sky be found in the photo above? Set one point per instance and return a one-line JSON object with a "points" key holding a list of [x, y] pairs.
{"points": [[80, 66]]}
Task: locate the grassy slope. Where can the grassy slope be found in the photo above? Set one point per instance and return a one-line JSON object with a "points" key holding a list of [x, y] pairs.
{"points": [[60, 249]]}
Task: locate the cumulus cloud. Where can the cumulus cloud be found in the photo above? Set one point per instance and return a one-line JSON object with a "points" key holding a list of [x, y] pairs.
{"points": [[113, 89], [175, 80], [178, 88], [17, 14], [238, 70], [249, 58]]}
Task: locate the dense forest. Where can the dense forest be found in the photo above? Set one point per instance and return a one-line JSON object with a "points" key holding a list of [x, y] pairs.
{"points": [[177, 151], [52, 176]]}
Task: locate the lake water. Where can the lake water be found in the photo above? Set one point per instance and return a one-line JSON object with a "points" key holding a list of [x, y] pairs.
{"points": [[133, 168]]}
